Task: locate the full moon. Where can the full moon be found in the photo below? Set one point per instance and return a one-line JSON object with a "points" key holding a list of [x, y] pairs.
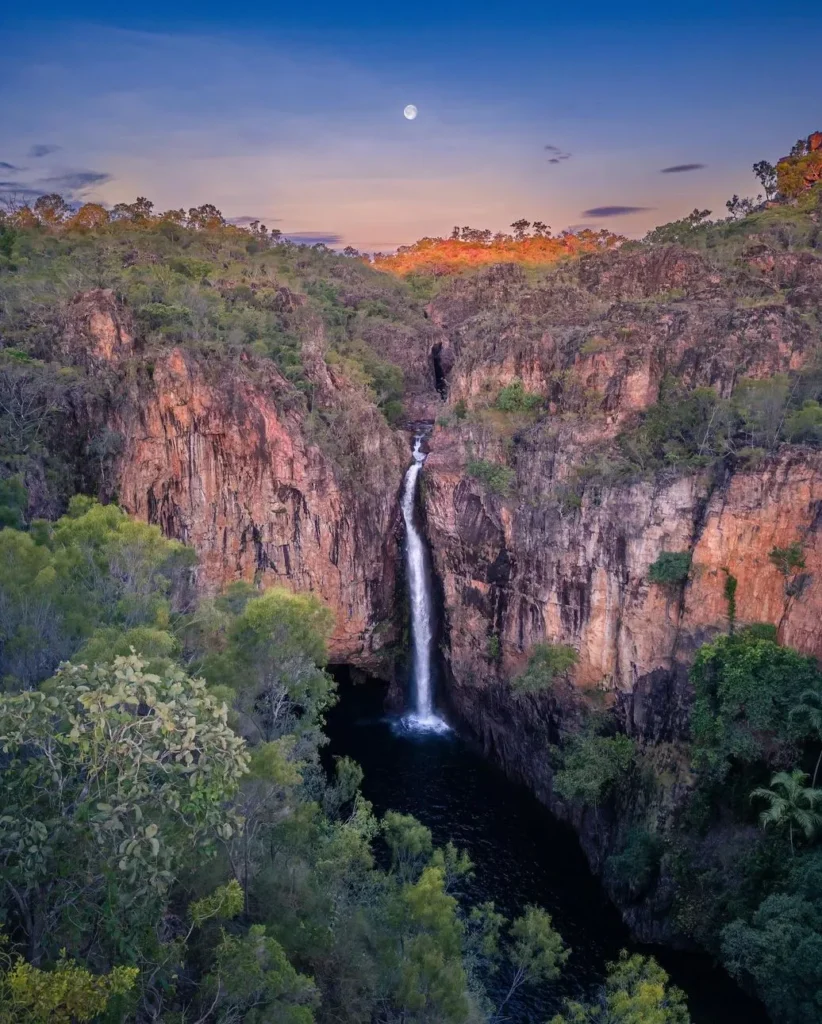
{"points": [[410, 112]]}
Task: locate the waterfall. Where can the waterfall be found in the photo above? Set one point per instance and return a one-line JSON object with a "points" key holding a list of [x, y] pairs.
{"points": [[419, 587]]}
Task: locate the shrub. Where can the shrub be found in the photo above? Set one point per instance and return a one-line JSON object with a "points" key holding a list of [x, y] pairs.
{"points": [[493, 647], [546, 662], [634, 869], [670, 568], [683, 429], [514, 398], [789, 559], [804, 426], [592, 767], [496, 478]]}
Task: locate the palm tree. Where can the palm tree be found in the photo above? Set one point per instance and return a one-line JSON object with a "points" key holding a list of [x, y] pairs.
{"points": [[810, 709], [792, 804]]}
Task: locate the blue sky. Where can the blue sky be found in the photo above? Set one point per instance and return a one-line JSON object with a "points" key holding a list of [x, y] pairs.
{"points": [[294, 113]]}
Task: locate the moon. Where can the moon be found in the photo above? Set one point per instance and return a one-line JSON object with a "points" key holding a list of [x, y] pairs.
{"points": [[410, 112]]}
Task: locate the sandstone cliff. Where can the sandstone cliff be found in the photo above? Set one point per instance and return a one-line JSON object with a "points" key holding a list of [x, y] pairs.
{"points": [[222, 457]]}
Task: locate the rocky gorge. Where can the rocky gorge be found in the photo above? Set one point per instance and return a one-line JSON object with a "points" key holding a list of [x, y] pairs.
{"points": [[545, 498]]}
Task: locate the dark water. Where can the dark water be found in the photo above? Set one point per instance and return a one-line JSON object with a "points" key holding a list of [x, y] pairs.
{"points": [[521, 854]]}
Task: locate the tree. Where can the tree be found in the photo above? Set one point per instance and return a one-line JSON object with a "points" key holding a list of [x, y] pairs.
{"points": [[112, 776], [95, 568], [739, 208], [253, 980], [537, 952], [138, 212], [90, 217], [592, 767], [637, 991], [746, 687], [809, 711], [545, 663], [792, 804], [205, 217], [67, 994], [780, 951], [766, 173], [273, 661], [520, 228], [410, 844], [430, 976], [51, 209]]}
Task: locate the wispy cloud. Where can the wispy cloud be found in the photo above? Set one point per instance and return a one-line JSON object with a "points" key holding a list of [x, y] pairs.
{"points": [[8, 167], [245, 219], [559, 156], [314, 237], [76, 181], [614, 211], [682, 168], [40, 149]]}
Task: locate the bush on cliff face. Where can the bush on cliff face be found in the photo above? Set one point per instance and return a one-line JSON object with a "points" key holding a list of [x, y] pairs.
{"points": [[671, 568], [496, 478], [545, 663], [514, 398], [634, 869], [593, 766]]}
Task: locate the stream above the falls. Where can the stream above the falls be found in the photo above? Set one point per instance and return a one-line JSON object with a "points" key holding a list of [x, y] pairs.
{"points": [[521, 854]]}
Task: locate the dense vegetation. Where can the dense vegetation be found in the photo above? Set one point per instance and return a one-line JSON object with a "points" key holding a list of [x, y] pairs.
{"points": [[235, 297], [171, 847]]}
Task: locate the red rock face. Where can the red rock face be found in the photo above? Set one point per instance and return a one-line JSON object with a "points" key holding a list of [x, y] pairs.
{"points": [[219, 461], [528, 569]]}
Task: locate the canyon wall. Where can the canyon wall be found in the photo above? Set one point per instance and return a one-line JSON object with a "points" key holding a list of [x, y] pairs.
{"points": [[222, 457], [563, 554]]}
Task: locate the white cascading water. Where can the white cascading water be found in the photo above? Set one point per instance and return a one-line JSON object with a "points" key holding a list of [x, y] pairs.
{"points": [[419, 588]]}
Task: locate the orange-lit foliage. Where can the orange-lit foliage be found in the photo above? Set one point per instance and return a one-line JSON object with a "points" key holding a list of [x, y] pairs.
{"points": [[89, 217], [469, 247], [52, 213], [803, 168]]}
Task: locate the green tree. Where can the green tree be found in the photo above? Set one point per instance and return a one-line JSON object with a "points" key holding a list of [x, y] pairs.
{"points": [[545, 662], [537, 952], [670, 568], [808, 712], [593, 766], [792, 804], [746, 686], [766, 173], [253, 981], [112, 777], [94, 568], [66, 994], [431, 980], [637, 991], [780, 952], [410, 844], [273, 661]]}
